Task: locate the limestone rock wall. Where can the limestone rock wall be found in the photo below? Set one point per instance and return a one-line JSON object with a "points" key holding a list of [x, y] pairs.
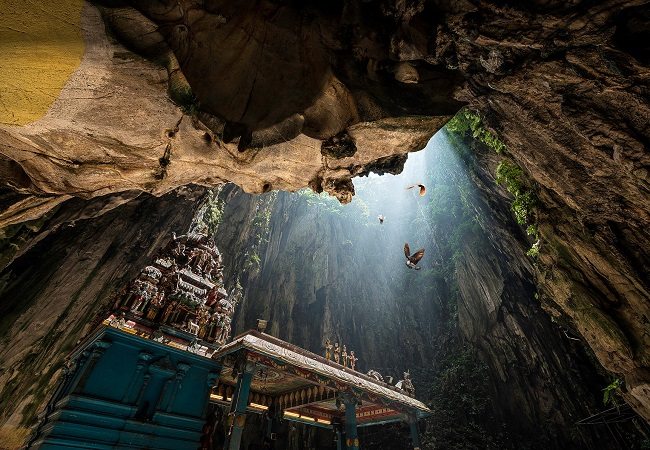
{"points": [[567, 90], [541, 372]]}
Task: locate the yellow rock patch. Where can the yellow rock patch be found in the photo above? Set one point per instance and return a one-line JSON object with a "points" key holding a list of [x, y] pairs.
{"points": [[40, 46]]}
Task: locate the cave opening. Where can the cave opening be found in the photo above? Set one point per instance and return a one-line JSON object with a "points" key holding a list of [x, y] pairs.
{"points": [[467, 323], [525, 322], [317, 270]]}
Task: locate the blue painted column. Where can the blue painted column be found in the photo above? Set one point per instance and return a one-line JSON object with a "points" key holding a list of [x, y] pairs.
{"points": [[415, 435], [213, 378], [87, 363], [351, 436], [132, 392], [271, 417], [339, 439], [238, 405]]}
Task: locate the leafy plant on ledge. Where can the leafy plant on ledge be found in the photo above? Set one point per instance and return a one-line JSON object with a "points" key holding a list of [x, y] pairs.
{"points": [[253, 262], [469, 121], [610, 390], [533, 252], [512, 177]]}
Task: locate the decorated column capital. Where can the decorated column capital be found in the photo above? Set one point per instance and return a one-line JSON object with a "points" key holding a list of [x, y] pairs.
{"points": [[212, 379], [349, 397]]}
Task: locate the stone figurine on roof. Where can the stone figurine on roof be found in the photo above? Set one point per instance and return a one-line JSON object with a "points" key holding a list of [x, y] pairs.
{"points": [[352, 360], [406, 384], [328, 349]]}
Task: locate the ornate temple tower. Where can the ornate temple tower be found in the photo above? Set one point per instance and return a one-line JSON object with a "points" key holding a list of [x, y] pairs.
{"points": [[143, 379], [180, 297]]}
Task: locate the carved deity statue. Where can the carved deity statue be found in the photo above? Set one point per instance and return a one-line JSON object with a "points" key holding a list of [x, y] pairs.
{"points": [[198, 259], [158, 299], [328, 349], [216, 273], [202, 318], [209, 334], [344, 357], [179, 250], [337, 353], [224, 331], [352, 360], [407, 384], [143, 294], [213, 296]]}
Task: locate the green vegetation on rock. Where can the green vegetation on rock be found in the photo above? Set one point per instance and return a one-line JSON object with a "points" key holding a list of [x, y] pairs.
{"points": [[469, 124], [211, 211], [261, 228], [469, 121], [512, 177], [611, 389]]}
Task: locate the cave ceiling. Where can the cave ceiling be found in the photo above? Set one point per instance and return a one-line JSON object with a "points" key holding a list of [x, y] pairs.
{"points": [[268, 95]]}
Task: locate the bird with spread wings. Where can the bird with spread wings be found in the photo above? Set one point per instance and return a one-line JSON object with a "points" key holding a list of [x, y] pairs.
{"points": [[423, 189], [413, 260]]}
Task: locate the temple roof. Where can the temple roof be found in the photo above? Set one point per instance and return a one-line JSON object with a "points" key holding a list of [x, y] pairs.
{"points": [[297, 370]]}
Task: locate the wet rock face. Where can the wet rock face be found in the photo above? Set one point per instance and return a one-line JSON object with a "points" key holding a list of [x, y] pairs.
{"points": [[568, 91], [498, 311]]}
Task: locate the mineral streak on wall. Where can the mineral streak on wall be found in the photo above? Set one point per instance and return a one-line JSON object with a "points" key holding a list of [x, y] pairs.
{"points": [[41, 46]]}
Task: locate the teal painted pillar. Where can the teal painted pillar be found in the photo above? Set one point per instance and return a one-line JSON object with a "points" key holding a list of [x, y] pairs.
{"points": [[271, 417], [415, 435], [213, 378], [339, 439], [351, 436], [132, 392], [87, 363], [238, 405]]}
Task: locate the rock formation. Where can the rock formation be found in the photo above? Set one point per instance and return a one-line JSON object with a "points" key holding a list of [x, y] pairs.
{"points": [[568, 93], [123, 122], [281, 95]]}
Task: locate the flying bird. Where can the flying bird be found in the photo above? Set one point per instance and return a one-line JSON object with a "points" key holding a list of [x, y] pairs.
{"points": [[413, 260], [423, 189], [381, 218]]}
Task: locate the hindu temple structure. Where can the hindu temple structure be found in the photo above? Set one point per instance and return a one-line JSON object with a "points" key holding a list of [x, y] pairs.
{"points": [[181, 295], [161, 371]]}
